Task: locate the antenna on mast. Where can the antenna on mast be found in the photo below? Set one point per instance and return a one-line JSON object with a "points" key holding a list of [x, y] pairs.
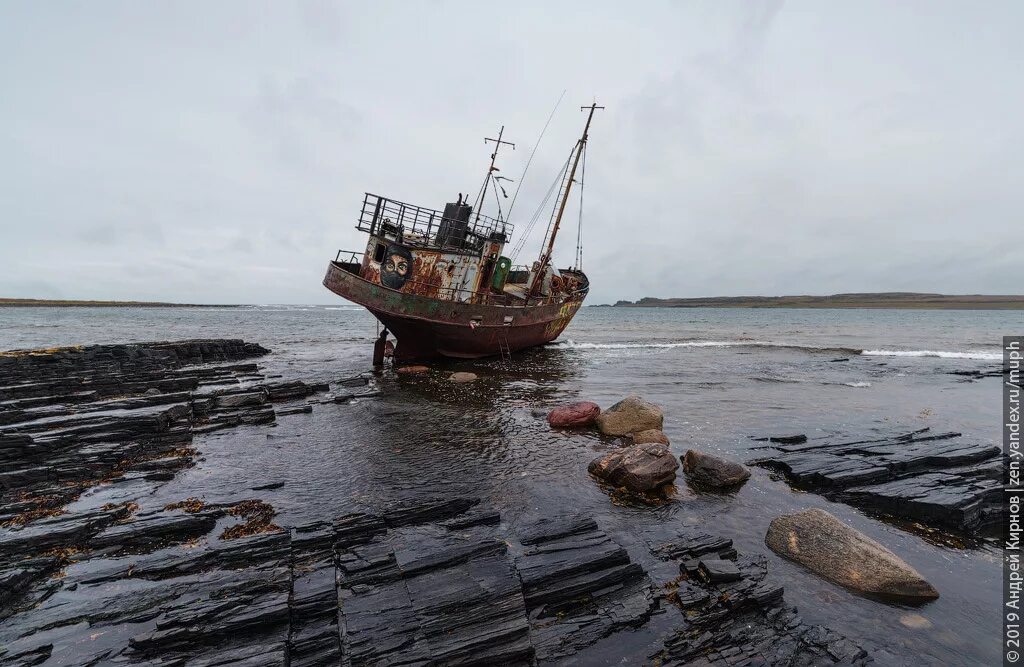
{"points": [[498, 143]]}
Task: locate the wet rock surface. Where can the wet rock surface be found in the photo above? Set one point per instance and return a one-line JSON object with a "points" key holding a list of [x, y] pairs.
{"points": [[442, 581], [735, 615], [650, 435], [939, 479], [630, 415], [138, 571], [828, 547], [705, 471], [574, 415], [638, 468], [120, 418]]}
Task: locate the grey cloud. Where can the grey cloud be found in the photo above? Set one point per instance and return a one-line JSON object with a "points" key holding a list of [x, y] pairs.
{"points": [[220, 152]]}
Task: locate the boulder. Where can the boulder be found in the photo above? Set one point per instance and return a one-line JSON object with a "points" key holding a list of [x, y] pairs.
{"points": [[574, 414], [638, 468], [630, 415], [650, 435], [412, 370], [462, 376], [705, 470], [833, 550]]}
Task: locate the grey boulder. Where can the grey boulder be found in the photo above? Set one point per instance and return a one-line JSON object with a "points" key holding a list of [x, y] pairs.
{"points": [[630, 415], [833, 550], [707, 471]]}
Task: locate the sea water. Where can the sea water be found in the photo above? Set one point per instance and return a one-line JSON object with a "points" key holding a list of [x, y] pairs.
{"points": [[723, 376]]}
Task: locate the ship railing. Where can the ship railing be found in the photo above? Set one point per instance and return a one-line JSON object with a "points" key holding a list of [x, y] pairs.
{"points": [[348, 257], [428, 228], [349, 260], [352, 263]]}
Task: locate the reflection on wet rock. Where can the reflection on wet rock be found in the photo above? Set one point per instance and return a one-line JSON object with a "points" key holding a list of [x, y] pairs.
{"points": [[939, 479]]}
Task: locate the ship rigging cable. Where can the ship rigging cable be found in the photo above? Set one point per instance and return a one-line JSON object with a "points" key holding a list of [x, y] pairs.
{"points": [[579, 226], [529, 161], [540, 208], [563, 193]]}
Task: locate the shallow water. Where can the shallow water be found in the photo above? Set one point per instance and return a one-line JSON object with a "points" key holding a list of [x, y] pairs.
{"points": [[721, 376]]}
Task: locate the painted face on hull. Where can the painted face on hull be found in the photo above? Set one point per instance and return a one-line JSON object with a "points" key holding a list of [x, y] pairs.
{"points": [[396, 267]]}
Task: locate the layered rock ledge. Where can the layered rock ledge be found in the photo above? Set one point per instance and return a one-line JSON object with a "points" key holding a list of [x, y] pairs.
{"points": [[735, 615], [939, 479], [92, 573], [121, 417], [439, 581]]}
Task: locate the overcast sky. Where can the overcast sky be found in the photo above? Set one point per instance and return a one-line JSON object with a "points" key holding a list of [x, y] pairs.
{"points": [[218, 151]]}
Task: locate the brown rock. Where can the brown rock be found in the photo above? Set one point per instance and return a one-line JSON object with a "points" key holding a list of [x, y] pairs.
{"points": [[831, 549], [705, 470], [630, 415], [462, 376], [638, 468], [650, 435], [412, 370], [574, 414]]}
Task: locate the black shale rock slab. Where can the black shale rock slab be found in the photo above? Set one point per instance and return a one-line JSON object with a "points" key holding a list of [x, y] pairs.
{"points": [[282, 391], [64, 530], [155, 530], [439, 582], [690, 545], [314, 637], [485, 517], [295, 410], [941, 480], [716, 570], [413, 592], [740, 618], [426, 511], [579, 585]]}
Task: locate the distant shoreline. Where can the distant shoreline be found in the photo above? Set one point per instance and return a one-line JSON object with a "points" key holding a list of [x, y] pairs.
{"points": [[895, 300], [74, 303]]}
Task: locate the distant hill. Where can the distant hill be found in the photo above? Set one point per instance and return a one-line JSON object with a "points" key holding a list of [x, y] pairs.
{"points": [[71, 303], [912, 300]]}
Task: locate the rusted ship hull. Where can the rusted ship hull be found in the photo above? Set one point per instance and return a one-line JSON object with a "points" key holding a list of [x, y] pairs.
{"points": [[427, 327]]}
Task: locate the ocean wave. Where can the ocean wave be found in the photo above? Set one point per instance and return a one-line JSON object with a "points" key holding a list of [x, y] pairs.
{"points": [[571, 344], [974, 354], [638, 345]]}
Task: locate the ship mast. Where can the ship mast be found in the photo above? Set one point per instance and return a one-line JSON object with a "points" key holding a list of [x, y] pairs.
{"points": [[479, 204], [545, 257]]}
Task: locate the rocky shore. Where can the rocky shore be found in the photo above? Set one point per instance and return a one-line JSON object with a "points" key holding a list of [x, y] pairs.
{"points": [[93, 572], [941, 480]]}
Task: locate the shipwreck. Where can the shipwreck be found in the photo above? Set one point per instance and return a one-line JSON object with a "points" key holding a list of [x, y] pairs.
{"points": [[441, 283]]}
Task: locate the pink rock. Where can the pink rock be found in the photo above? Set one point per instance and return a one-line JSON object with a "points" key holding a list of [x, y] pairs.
{"points": [[574, 414]]}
